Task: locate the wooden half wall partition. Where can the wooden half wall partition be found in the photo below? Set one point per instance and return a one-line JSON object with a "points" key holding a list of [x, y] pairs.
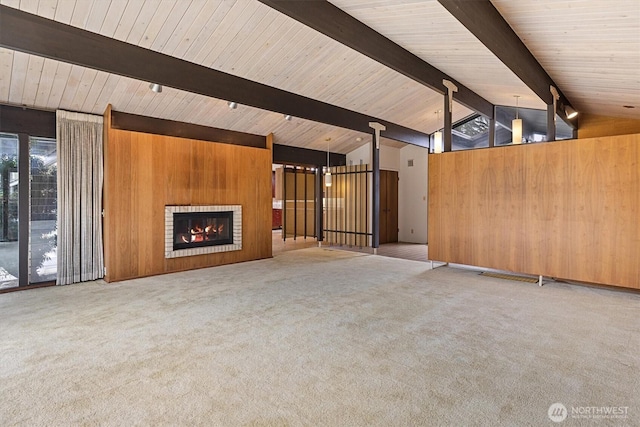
{"points": [[566, 209], [144, 172], [594, 126]]}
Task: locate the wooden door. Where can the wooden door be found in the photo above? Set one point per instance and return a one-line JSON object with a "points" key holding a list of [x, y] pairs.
{"points": [[388, 206]]}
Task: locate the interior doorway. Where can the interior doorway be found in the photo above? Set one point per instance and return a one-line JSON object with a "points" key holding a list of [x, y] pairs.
{"points": [[294, 207]]}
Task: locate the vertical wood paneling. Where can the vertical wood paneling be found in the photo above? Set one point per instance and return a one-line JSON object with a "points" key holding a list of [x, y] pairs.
{"points": [[145, 172], [591, 198], [143, 155], [497, 212], [593, 126], [459, 205], [512, 196], [567, 209], [547, 208], [435, 210], [605, 193]]}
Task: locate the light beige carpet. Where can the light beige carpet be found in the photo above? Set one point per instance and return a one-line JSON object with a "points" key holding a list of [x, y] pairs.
{"points": [[317, 337]]}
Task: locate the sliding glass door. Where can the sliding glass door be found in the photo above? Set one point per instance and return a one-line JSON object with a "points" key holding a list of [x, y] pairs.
{"points": [[43, 193], [9, 270], [27, 223]]}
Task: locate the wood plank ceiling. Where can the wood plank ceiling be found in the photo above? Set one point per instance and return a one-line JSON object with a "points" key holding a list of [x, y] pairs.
{"points": [[591, 48], [253, 41]]}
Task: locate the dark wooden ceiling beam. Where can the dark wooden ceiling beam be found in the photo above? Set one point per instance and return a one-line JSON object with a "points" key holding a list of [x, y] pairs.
{"points": [[333, 22], [26, 120], [286, 154], [482, 19], [39, 36]]}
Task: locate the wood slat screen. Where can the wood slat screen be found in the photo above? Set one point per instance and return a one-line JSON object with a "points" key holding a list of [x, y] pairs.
{"points": [[566, 209], [299, 204], [347, 205]]}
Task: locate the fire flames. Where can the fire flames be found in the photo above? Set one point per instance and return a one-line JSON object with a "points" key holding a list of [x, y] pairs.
{"points": [[197, 234]]}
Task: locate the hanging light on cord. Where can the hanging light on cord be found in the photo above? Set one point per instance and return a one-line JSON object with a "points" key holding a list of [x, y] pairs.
{"points": [[437, 137], [516, 126], [327, 175]]}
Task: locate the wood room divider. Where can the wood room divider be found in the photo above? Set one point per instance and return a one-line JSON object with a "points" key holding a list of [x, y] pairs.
{"points": [[565, 209]]}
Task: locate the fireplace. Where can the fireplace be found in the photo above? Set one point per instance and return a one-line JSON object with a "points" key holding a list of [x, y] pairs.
{"points": [[195, 230], [199, 230]]}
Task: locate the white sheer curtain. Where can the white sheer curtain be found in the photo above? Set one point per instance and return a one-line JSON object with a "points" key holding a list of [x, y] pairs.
{"points": [[80, 177]]}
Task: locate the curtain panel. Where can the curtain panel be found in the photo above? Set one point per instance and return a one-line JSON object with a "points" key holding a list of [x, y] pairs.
{"points": [[80, 178]]}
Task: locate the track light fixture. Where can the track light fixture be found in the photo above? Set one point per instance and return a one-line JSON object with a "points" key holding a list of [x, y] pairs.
{"points": [[233, 105], [570, 112], [287, 117], [155, 87]]}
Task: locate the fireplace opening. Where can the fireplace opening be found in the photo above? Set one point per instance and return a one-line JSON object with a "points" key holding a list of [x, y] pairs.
{"points": [[198, 229]]}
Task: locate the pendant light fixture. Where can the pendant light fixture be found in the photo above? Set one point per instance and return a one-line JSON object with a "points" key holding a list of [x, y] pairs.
{"points": [[327, 175], [437, 137], [516, 126]]}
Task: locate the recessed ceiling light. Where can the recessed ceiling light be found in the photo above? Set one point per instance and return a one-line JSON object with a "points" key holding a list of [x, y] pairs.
{"points": [[358, 139]]}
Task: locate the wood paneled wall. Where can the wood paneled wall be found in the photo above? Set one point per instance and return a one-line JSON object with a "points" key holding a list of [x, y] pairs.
{"points": [[593, 126], [145, 172], [566, 209]]}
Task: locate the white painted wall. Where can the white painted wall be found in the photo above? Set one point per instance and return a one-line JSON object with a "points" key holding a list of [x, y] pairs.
{"points": [[412, 195], [389, 157], [412, 188], [360, 155]]}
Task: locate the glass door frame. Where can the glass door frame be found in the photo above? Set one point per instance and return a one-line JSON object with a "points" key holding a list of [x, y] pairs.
{"points": [[26, 123], [23, 209], [24, 214]]}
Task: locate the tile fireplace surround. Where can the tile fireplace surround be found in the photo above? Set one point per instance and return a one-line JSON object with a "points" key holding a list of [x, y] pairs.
{"points": [[168, 240]]}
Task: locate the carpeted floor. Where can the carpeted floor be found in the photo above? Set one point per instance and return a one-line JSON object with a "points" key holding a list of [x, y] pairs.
{"points": [[317, 337]]}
